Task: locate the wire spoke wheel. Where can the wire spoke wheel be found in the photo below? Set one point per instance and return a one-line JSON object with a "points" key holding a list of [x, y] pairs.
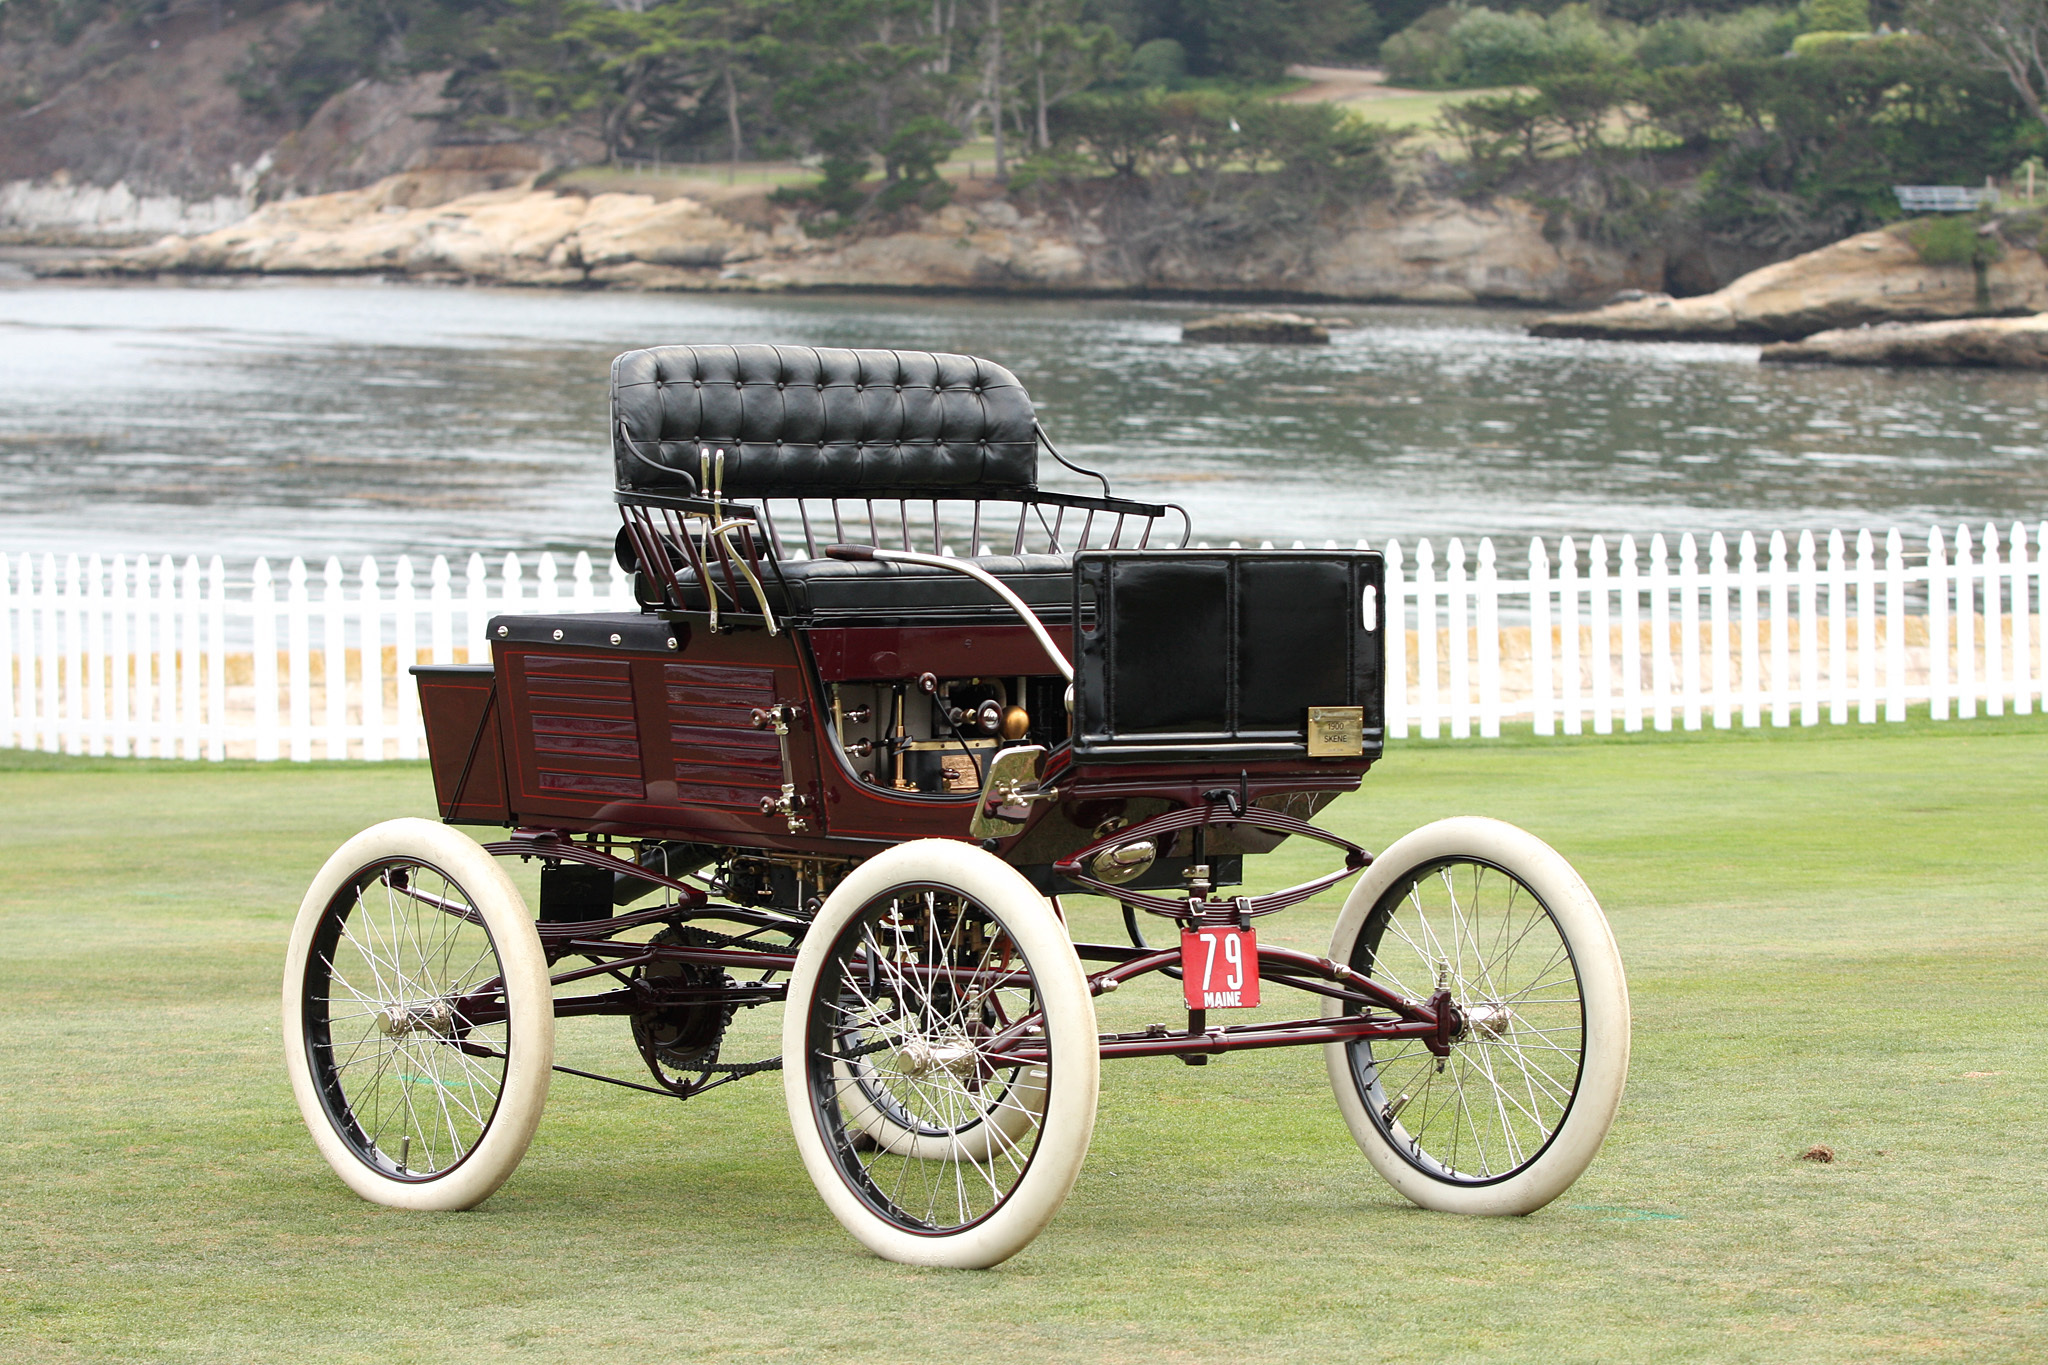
{"points": [[406, 1000], [928, 1141], [1489, 1108], [918, 984], [1515, 1108]]}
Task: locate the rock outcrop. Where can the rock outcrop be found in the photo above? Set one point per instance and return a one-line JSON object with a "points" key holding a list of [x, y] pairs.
{"points": [[1870, 278], [1428, 251], [1288, 329], [1993, 343]]}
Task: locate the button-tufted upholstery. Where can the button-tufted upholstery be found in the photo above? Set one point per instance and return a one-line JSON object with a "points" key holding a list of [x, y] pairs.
{"points": [[906, 594], [820, 422]]}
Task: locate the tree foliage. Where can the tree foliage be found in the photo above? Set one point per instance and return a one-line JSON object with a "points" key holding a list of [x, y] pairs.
{"points": [[1790, 146], [2009, 37]]}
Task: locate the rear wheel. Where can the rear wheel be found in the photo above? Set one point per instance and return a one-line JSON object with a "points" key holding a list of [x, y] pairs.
{"points": [[1517, 1110], [925, 1140], [418, 1017]]}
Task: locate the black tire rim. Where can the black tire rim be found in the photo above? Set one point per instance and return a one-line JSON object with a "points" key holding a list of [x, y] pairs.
{"points": [[411, 1094], [903, 1039], [1505, 1092]]}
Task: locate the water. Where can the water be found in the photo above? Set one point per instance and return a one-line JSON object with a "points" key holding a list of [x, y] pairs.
{"points": [[356, 417]]}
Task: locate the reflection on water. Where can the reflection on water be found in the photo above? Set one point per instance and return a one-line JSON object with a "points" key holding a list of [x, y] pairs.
{"points": [[356, 417]]}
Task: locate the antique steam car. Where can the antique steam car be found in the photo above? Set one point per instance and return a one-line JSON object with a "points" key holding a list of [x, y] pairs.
{"points": [[837, 764]]}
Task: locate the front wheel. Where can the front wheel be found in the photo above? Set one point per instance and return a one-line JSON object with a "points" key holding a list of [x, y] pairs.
{"points": [[1517, 1110], [419, 1026], [929, 969]]}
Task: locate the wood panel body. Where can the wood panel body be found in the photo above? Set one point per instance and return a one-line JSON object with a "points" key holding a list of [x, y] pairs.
{"points": [[642, 740]]}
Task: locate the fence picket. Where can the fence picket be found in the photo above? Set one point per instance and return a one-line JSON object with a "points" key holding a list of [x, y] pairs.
{"points": [[1866, 628], [2024, 679], [1630, 588], [1543, 711], [1689, 625], [1568, 625], [1994, 624], [1489, 642], [1601, 660], [334, 663], [1809, 631], [2041, 609], [216, 661], [1752, 668], [1660, 634], [370, 686], [1781, 632], [121, 721], [1428, 699], [72, 614], [1965, 627], [549, 594], [191, 719], [1723, 643], [1838, 629], [144, 701], [1397, 644], [263, 640], [298, 633], [51, 726], [408, 632], [1895, 625], [1937, 627], [95, 657], [1459, 641]]}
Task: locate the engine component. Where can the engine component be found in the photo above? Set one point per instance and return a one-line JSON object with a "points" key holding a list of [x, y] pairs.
{"points": [[680, 1041]]}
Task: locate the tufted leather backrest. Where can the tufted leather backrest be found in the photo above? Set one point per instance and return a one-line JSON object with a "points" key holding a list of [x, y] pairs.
{"points": [[818, 422]]}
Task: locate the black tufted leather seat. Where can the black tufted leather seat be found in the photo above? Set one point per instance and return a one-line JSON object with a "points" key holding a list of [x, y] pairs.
{"points": [[820, 422], [838, 591]]}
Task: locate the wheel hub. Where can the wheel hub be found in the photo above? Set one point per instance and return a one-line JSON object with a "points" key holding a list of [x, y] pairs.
{"points": [[436, 1016], [921, 1057], [1486, 1019]]}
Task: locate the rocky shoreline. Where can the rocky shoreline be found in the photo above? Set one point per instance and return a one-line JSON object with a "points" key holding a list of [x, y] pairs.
{"points": [[1985, 343], [1425, 250], [1866, 280]]}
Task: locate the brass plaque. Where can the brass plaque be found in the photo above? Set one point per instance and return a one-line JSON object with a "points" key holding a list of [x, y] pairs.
{"points": [[1336, 731]]}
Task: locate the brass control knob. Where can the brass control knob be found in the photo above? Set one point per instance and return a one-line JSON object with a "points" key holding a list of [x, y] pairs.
{"points": [[1016, 723]]}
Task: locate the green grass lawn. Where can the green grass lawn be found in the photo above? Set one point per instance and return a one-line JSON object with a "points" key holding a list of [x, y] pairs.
{"points": [[1832, 936]]}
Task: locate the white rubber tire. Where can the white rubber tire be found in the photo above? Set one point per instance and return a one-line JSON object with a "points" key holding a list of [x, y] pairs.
{"points": [[1603, 991], [1069, 1113], [528, 993]]}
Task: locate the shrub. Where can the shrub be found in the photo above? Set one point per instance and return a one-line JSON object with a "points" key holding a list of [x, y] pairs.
{"points": [[1835, 16], [1482, 47], [1691, 39], [1423, 54], [1951, 241], [1826, 40], [1159, 64]]}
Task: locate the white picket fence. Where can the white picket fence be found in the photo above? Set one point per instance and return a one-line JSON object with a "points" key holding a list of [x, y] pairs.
{"points": [[132, 657], [1790, 630], [156, 658]]}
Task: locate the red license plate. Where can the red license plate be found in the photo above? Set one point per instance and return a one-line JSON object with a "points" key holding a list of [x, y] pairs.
{"points": [[1219, 968]]}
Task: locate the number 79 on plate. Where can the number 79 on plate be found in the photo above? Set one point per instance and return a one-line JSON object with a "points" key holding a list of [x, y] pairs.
{"points": [[1219, 968]]}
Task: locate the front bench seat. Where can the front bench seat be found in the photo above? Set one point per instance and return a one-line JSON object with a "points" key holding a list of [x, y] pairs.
{"points": [[875, 592]]}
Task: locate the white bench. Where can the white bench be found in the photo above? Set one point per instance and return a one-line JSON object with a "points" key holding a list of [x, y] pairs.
{"points": [[1944, 198]]}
